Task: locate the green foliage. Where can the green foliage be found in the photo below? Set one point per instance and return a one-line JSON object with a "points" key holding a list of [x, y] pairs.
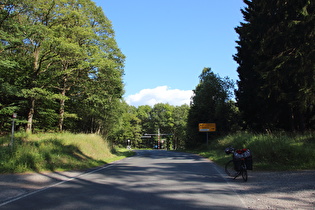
{"points": [[129, 127], [276, 65], [135, 122], [59, 60], [211, 103], [161, 116], [179, 128], [143, 113]]}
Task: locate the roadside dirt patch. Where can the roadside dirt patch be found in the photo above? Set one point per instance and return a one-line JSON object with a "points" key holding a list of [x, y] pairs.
{"points": [[277, 190]]}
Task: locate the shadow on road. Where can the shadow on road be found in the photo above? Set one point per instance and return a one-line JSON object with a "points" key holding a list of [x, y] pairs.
{"points": [[152, 180]]}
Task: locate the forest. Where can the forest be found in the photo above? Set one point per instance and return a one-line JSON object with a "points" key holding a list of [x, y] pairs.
{"points": [[62, 70]]}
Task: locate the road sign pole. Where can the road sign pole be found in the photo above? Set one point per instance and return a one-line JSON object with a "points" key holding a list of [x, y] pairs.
{"points": [[207, 138]]}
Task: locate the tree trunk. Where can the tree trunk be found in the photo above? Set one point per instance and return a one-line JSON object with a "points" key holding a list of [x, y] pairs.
{"points": [[36, 72], [62, 106], [30, 117], [61, 114]]}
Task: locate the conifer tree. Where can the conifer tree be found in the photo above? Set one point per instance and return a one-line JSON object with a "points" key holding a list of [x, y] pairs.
{"points": [[276, 58]]}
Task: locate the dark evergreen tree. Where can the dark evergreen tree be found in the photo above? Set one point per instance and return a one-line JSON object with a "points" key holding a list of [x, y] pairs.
{"points": [[276, 58]]}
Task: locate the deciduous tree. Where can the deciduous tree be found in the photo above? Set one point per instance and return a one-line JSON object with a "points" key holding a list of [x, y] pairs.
{"points": [[210, 104]]}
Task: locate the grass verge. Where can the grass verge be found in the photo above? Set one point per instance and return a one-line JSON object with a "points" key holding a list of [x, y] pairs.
{"points": [[56, 152], [271, 152]]}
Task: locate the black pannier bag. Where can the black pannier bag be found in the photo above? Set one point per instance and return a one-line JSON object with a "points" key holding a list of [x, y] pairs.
{"points": [[249, 162], [242, 153], [237, 164]]}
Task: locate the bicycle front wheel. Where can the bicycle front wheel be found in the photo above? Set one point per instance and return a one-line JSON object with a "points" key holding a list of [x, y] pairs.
{"points": [[244, 170], [230, 169]]}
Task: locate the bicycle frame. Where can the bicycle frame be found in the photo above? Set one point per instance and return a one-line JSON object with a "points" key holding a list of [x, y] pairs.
{"points": [[230, 166]]}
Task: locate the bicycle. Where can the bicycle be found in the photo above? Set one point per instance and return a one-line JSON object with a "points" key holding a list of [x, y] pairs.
{"points": [[238, 166]]}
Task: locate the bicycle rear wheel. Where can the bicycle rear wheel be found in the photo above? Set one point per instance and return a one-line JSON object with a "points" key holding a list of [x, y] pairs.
{"points": [[230, 169], [244, 174]]}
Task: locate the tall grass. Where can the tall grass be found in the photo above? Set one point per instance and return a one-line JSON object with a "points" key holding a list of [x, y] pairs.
{"points": [[279, 151], [54, 152]]}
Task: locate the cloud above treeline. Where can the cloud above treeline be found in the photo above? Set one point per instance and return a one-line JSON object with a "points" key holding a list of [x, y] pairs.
{"points": [[160, 94]]}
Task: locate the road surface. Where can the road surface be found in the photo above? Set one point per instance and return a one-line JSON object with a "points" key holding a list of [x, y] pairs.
{"points": [[153, 179]]}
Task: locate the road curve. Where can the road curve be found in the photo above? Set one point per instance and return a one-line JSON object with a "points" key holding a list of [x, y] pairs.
{"points": [[153, 179]]}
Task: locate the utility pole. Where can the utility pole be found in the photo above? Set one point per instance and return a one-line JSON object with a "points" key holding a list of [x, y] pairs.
{"points": [[158, 134], [159, 139]]}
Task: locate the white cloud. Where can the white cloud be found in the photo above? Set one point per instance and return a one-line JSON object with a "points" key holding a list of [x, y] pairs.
{"points": [[160, 94]]}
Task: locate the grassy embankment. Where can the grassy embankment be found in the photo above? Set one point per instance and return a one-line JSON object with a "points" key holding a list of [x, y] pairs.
{"points": [[55, 152], [59, 152], [270, 151]]}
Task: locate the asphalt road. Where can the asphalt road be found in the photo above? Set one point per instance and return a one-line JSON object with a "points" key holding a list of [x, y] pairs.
{"points": [[153, 179]]}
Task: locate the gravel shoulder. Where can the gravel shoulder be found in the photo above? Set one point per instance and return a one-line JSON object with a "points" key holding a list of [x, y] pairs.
{"points": [[264, 190], [277, 190]]}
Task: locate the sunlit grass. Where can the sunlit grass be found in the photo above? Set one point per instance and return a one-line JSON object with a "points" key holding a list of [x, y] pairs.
{"points": [[55, 152], [279, 151]]}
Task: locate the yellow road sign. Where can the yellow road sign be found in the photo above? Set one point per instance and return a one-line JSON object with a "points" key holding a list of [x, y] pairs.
{"points": [[207, 127]]}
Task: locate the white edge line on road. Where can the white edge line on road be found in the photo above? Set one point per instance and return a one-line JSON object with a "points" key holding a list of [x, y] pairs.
{"points": [[225, 179], [241, 199], [56, 184]]}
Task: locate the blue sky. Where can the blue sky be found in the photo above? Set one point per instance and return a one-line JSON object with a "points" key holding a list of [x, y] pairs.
{"points": [[167, 43]]}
